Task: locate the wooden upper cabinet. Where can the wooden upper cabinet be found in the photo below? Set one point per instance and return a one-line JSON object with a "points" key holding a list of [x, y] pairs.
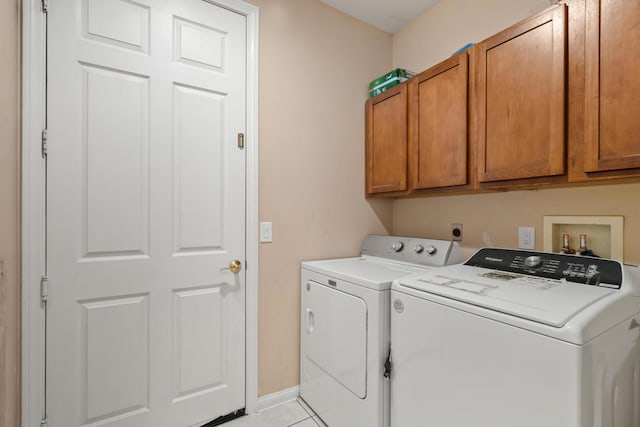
{"points": [[386, 142], [612, 85], [519, 100], [438, 105]]}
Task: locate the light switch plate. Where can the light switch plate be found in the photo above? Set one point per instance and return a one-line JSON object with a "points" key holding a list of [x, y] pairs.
{"points": [[266, 232]]}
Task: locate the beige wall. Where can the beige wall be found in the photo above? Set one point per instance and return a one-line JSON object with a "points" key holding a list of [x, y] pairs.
{"points": [[500, 214], [451, 24], [9, 213], [432, 37], [315, 64]]}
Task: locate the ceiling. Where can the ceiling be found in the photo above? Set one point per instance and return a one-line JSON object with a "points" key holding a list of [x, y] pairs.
{"points": [[388, 15]]}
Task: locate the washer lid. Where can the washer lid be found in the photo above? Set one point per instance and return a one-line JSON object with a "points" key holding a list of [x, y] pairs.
{"points": [[548, 301], [366, 271]]}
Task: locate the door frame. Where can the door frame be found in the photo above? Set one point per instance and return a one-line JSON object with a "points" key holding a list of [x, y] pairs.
{"points": [[33, 205]]}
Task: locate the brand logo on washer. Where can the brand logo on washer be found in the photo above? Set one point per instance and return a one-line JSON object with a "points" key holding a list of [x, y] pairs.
{"points": [[398, 305]]}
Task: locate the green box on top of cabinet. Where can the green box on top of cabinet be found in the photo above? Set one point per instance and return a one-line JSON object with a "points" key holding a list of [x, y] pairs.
{"points": [[392, 78]]}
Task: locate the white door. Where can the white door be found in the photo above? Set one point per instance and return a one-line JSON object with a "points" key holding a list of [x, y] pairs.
{"points": [[146, 207]]}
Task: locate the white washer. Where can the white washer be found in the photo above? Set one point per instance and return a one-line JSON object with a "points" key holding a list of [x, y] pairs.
{"points": [[344, 339], [515, 338]]}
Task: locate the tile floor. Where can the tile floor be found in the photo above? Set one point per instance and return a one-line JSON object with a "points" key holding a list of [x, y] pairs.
{"points": [[291, 414]]}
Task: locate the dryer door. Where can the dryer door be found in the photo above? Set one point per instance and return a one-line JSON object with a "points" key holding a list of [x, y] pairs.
{"points": [[335, 325]]}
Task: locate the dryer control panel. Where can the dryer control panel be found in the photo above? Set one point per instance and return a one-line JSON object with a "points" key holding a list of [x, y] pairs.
{"points": [[414, 250], [573, 268]]}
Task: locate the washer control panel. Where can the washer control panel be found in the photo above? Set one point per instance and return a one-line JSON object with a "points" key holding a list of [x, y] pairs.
{"points": [[572, 268]]}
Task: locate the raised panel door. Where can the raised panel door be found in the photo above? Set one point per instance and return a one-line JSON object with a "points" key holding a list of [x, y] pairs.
{"points": [[520, 100], [145, 209], [612, 79], [386, 142], [438, 125]]}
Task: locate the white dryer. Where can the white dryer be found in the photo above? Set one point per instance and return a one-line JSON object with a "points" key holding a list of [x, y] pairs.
{"points": [[515, 338], [344, 339]]}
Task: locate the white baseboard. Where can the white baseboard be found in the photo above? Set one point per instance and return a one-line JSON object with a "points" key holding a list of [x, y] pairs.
{"points": [[278, 398]]}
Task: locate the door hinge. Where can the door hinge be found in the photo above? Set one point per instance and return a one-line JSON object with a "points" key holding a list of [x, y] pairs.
{"points": [[44, 289], [44, 143], [241, 141], [45, 6]]}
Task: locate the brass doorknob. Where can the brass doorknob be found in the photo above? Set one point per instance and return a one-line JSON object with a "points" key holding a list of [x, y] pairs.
{"points": [[235, 266]]}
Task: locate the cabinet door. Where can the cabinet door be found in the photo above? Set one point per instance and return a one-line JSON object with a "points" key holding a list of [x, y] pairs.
{"points": [[612, 110], [386, 142], [520, 100], [438, 125]]}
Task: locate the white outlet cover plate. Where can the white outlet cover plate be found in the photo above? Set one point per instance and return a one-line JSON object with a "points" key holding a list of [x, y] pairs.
{"points": [[526, 237]]}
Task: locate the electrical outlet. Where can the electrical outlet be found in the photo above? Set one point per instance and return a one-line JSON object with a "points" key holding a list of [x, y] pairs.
{"points": [[456, 232], [526, 237]]}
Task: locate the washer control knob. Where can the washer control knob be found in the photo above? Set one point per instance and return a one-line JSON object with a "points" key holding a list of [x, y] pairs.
{"points": [[418, 249], [532, 261], [397, 246], [431, 250]]}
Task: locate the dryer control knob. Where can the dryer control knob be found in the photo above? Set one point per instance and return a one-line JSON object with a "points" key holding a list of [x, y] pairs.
{"points": [[431, 250], [397, 246], [418, 249]]}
